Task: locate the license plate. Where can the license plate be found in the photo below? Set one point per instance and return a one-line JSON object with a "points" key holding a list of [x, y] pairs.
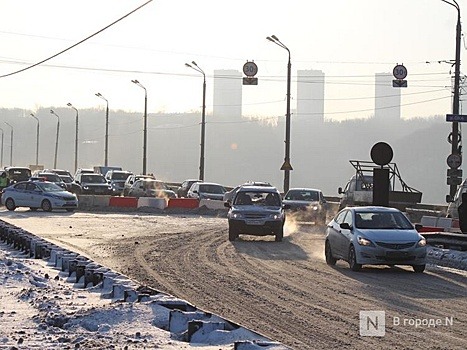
{"points": [[255, 222], [396, 255]]}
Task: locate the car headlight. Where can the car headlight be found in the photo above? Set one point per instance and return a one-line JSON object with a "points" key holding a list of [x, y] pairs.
{"points": [[86, 187], [314, 207], [237, 216], [363, 241], [421, 243], [276, 216]]}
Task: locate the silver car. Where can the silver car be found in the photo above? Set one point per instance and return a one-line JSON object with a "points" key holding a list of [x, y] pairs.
{"points": [[374, 236]]}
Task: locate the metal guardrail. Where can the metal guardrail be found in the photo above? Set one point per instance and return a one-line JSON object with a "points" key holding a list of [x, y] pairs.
{"points": [[455, 241]]}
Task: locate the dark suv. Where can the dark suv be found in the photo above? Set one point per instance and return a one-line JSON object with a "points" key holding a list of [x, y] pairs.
{"points": [[93, 184], [256, 210]]}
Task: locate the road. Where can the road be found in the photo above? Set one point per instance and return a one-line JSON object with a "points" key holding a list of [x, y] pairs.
{"points": [[283, 290]]}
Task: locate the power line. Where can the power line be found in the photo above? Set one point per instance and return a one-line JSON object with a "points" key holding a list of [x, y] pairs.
{"points": [[78, 43]]}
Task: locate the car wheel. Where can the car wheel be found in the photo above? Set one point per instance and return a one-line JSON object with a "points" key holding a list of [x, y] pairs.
{"points": [[330, 260], [10, 204], [280, 234], [70, 210], [32, 208], [233, 234], [353, 260], [46, 206], [418, 268]]}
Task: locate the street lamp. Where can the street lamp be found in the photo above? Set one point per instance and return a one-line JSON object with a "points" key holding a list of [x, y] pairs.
{"points": [[145, 128], [37, 138], [1, 156], [455, 149], [194, 66], [287, 167], [56, 138], [76, 135], [106, 147], [11, 144]]}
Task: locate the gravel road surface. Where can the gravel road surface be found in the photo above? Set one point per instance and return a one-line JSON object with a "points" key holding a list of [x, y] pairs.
{"points": [[283, 290]]}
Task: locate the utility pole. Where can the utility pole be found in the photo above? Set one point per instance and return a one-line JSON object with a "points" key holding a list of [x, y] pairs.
{"points": [[456, 149]]}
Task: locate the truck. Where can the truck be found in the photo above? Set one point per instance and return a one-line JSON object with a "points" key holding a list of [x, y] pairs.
{"points": [[101, 169], [359, 189]]}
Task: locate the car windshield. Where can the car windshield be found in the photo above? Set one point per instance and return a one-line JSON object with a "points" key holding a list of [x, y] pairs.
{"points": [[94, 179], [382, 220], [302, 195], [155, 185], [19, 173], [213, 189], [257, 198], [66, 179], [120, 176], [49, 187], [51, 177]]}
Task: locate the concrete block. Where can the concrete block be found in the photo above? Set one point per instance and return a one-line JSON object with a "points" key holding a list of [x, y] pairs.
{"points": [[198, 330], [212, 204], [429, 220], [101, 201], [158, 203], [178, 320]]}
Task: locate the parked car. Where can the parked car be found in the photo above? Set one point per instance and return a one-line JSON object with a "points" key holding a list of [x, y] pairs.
{"points": [[256, 210], [50, 177], [83, 171], [206, 190], [116, 179], [38, 194], [374, 236], [130, 180], [453, 203], [308, 203], [16, 174], [151, 188], [60, 172], [230, 194], [71, 186], [182, 191], [93, 184]]}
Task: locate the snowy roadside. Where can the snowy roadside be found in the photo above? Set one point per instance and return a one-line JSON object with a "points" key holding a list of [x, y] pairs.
{"points": [[43, 307], [447, 258]]}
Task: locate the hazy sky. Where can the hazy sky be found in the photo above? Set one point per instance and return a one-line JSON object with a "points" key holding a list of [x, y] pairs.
{"points": [[349, 40]]}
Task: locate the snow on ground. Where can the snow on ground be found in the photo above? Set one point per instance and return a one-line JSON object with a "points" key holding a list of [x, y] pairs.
{"points": [[40, 308]]}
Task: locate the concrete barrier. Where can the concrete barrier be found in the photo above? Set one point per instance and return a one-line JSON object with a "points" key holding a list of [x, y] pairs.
{"points": [[101, 201], [212, 204], [189, 203], [158, 203], [123, 202]]}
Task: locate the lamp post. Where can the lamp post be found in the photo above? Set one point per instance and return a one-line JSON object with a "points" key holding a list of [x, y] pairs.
{"points": [[37, 138], [455, 149], [56, 138], [106, 147], [76, 135], [11, 144], [194, 66], [1, 156], [287, 167], [145, 128]]}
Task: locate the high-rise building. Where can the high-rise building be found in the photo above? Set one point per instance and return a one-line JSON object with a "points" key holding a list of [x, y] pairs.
{"points": [[310, 96], [227, 102], [387, 98]]}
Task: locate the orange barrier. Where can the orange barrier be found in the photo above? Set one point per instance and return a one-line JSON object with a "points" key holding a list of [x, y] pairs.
{"points": [[127, 202], [430, 229], [183, 203]]}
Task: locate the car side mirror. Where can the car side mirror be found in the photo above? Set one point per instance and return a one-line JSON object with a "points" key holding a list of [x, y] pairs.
{"points": [[345, 226], [195, 191], [448, 198], [418, 227], [339, 190], [227, 204], [77, 181]]}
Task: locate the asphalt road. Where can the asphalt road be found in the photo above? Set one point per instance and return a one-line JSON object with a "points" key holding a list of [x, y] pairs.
{"points": [[283, 290]]}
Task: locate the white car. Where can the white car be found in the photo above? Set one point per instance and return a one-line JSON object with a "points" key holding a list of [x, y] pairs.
{"points": [[38, 194], [206, 190]]}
